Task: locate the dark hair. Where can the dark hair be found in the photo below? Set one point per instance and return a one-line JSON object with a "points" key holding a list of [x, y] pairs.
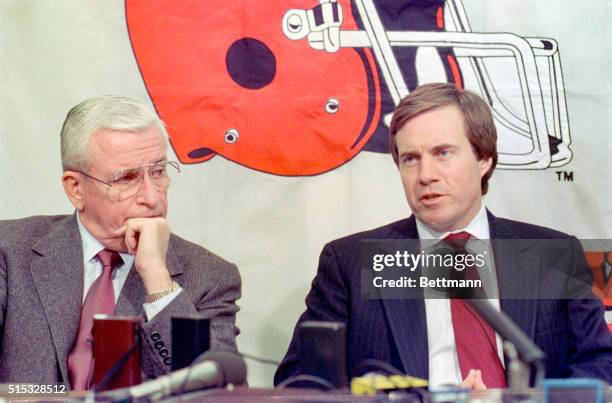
{"points": [[477, 118]]}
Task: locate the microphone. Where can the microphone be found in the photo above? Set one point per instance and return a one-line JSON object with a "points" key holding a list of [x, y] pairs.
{"points": [[527, 349], [529, 352], [212, 369], [323, 351], [190, 339]]}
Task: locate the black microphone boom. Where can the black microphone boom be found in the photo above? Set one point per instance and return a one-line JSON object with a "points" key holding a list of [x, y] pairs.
{"points": [[213, 369], [529, 352]]}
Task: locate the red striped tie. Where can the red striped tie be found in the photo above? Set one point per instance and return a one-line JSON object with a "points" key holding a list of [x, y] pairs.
{"points": [[100, 299], [474, 337]]}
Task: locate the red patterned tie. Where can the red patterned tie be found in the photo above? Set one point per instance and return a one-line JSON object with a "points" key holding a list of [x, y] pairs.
{"points": [[474, 337], [100, 299]]}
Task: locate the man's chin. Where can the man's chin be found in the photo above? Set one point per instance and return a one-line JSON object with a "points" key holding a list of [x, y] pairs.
{"points": [[156, 215], [437, 222], [117, 245]]}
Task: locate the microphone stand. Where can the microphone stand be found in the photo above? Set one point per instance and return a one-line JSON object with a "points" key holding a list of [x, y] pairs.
{"points": [[523, 353]]}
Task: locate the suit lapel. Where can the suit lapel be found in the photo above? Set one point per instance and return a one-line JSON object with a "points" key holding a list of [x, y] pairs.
{"points": [[517, 272], [57, 272], [407, 320], [132, 296]]}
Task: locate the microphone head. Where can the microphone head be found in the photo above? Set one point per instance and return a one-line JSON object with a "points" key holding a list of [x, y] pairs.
{"points": [[231, 365]]}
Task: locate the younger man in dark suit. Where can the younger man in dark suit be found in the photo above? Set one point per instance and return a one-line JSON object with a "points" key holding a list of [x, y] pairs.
{"points": [[443, 141]]}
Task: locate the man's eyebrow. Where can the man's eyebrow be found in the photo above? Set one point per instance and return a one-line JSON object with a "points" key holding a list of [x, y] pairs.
{"points": [[409, 154], [442, 146], [162, 159]]}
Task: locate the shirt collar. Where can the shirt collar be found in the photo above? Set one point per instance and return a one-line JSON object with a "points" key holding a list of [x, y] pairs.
{"points": [[91, 246], [478, 227]]}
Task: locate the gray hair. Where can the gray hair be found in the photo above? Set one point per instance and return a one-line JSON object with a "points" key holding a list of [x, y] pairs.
{"points": [[102, 112]]}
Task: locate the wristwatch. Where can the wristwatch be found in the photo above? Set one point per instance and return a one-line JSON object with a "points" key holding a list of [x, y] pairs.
{"points": [[156, 296]]}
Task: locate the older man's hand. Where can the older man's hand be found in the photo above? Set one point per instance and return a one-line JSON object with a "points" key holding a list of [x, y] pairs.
{"points": [[147, 239]]}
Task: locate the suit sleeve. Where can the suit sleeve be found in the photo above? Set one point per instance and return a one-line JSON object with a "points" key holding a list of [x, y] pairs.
{"points": [[217, 303], [3, 294], [590, 338], [326, 301]]}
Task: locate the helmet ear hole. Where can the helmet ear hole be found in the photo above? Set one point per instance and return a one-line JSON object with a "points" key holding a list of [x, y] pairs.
{"points": [[231, 136], [332, 105]]}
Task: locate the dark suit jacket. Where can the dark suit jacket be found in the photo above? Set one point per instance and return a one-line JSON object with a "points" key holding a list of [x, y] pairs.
{"points": [[572, 332], [41, 292]]}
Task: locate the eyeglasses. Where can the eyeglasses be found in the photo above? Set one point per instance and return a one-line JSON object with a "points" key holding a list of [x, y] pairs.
{"points": [[127, 182]]}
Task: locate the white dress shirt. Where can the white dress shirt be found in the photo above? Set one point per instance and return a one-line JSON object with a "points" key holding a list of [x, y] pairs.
{"points": [[93, 269], [443, 360]]}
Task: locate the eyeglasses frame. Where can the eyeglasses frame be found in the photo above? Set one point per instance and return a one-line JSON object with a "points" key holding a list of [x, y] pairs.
{"points": [[142, 167]]}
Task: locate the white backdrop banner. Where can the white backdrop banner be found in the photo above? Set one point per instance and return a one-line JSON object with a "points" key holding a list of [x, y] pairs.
{"points": [[278, 113]]}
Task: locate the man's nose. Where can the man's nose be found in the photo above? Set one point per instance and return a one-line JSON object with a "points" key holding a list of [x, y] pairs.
{"points": [[148, 193], [427, 171]]}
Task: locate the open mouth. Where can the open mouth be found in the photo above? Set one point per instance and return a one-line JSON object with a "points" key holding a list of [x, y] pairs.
{"points": [[430, 198]]}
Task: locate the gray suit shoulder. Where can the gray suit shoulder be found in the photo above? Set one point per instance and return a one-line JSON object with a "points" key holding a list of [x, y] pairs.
{"points": [[19, 231]]}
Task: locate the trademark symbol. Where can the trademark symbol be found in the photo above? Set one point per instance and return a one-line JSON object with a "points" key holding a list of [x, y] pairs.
{"points": [[565, 176]]}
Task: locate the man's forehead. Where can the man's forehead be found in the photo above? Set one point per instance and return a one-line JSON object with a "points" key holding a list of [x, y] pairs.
{"points": [[429, 141], [117, 136], [115, 150], [438, 127]]}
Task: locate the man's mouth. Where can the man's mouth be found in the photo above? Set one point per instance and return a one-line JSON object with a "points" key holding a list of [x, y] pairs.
{"points": [[152, 214], [429, 199]]}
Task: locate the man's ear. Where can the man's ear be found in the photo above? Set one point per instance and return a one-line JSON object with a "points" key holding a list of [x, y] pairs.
{"points": [[73, 186], [485, 165]]}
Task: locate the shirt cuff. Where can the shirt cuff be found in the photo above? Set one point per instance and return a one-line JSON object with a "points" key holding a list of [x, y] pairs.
{"points": [[153, 308]]}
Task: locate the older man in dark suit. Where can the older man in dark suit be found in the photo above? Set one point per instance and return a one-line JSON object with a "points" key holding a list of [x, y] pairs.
{"points": [[114, 255], [443, 140]]}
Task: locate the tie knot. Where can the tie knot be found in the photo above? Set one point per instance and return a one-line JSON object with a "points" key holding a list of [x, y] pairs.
{"points": [[109, 258], [458, 239]]}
